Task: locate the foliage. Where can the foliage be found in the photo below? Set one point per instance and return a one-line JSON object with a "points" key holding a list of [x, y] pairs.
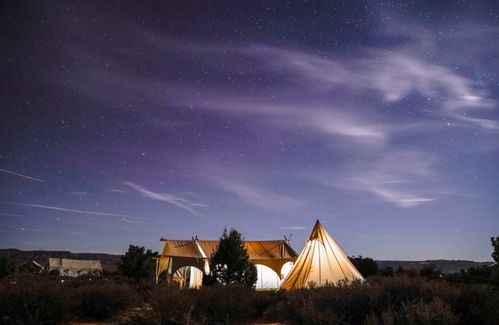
{"points": [[31, 299], [495, 246], [4, 267], [366, 265], [172, 305], [99, 302], [34, 299], [430, 272], [137, 263], [471, 276], [210, 305], [230, 264], [388, 271]]}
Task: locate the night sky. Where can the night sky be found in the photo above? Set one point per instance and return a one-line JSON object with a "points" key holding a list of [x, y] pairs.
{"points": [[125, 122]]}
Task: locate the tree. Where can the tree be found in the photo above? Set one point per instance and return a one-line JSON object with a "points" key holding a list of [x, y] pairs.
{"points": [[4, 269], [495, 245], [230, 263], [494, 279], [137, 264], [366, 265]]}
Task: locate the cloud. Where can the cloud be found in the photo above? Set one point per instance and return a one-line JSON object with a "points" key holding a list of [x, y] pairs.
{"points": [[177, 201], [257, 196], [248, 183], [332, 96], [56, 208], [292, 228], [15, 215], [79, 193], [116, 190], [20, 175], [395, 177], [375, 104], [393, 74]]}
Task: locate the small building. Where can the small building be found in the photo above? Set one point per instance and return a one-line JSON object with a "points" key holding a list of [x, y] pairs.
{"points": [[75, 268], [186, 261]]}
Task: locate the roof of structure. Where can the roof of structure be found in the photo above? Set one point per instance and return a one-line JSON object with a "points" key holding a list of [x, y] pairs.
{"points": [[257, 249]]}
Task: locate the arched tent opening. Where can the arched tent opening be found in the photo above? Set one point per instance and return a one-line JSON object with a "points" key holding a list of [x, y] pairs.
{"points": [[266, 278], [188, 277], [285, 269]]}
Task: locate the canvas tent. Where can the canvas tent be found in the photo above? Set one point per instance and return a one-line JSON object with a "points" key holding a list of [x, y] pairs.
{"points": [[321, 261], [74, 268], [194, 255]]}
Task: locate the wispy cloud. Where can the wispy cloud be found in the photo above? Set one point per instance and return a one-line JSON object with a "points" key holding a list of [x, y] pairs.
{"points": [[56, 208], [391, 73], [355, 104], [292, 228], [248, 184], [114, 190], [257, 196], [79, 193], [395, 178], [177, 201], [20, 175], [14, 215]]}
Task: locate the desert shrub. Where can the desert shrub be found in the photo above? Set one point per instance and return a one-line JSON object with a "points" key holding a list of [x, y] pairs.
{"points": [[261, 303], [101, 301], [328, 305], [476, 304], [172, 305], [30, 299], [434, 312], [430, 272], [297, 307], [388, 271], [219, 305], [471, 275], [209, 305], [4, 267]]}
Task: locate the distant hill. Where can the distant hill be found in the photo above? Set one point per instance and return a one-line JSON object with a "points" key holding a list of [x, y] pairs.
{"points": [[15, 256], [445, 266], [110, 262]]}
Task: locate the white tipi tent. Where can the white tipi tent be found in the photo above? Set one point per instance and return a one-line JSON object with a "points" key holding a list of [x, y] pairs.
{"points": [[321, 261]]}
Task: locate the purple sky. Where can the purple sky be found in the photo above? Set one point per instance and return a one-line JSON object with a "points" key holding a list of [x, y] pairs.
{"points": [[125, 122]]}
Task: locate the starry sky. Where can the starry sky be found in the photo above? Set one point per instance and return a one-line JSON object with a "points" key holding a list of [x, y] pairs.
{"points": [[124, 122]]}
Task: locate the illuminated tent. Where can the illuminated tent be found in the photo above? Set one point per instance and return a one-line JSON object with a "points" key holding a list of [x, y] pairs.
{"points": [[74, 268], [321, 261], [195, 254]]}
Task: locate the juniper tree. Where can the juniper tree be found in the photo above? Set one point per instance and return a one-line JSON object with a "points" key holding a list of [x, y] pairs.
{"points": [[230, 263], [137, 264], [495, 246]]}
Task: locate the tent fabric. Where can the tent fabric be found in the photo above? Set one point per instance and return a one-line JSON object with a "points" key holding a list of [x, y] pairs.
{"points": [[268, 249], [320, 262], [180, 253], [69, 267]]}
